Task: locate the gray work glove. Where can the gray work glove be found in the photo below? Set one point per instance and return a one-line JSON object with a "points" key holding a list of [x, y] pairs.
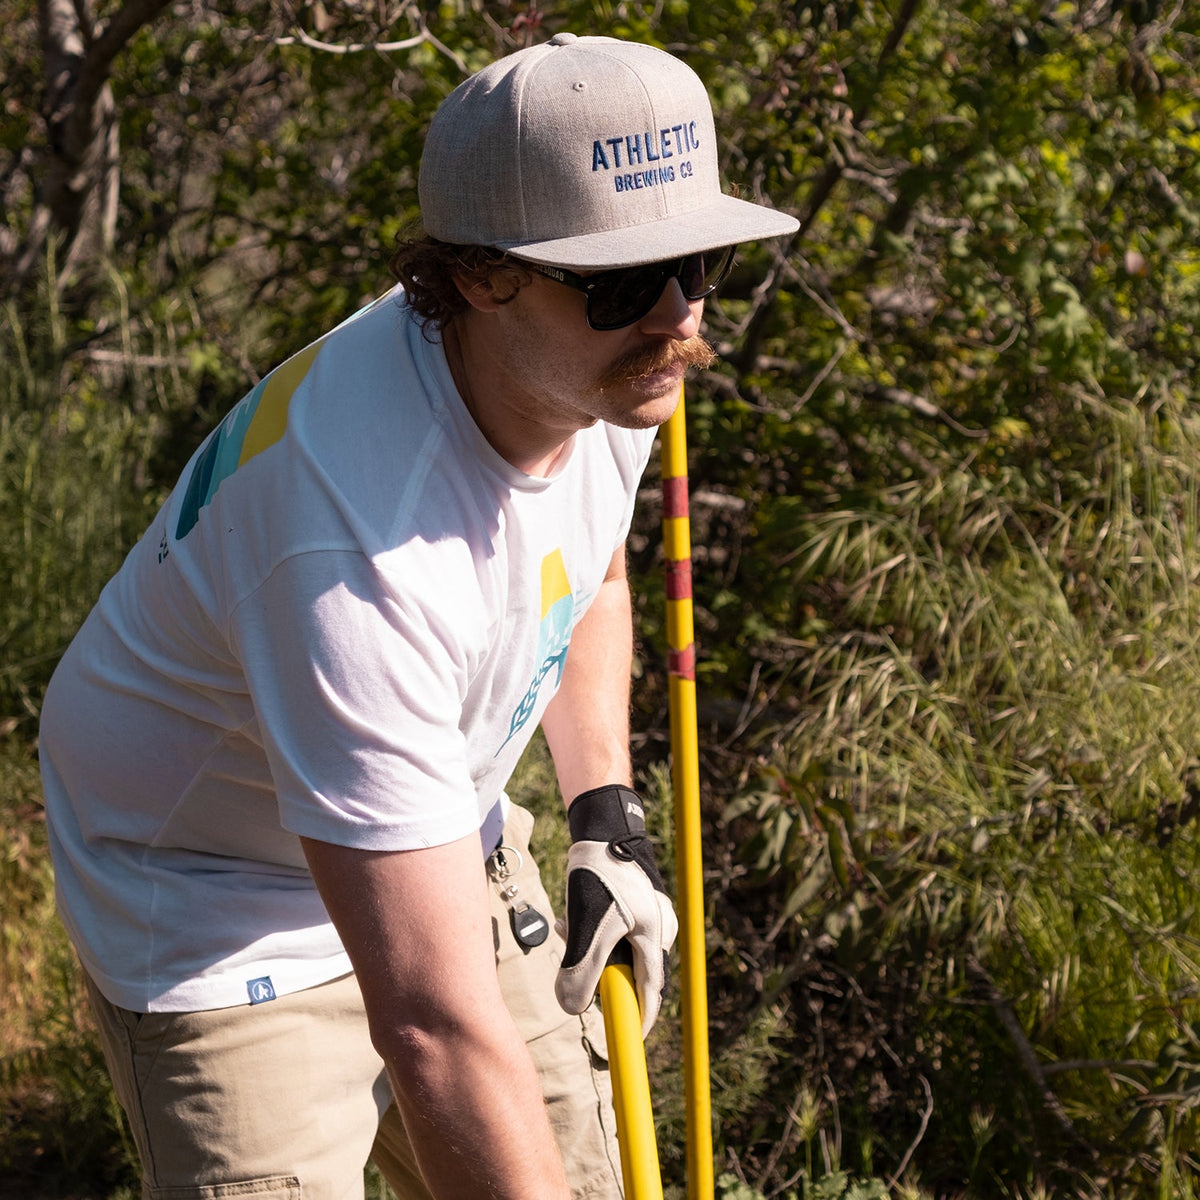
{"points": [[614, 891]]}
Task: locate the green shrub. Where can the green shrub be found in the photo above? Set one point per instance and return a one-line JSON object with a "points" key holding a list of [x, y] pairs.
{"points": [[971, 853]]}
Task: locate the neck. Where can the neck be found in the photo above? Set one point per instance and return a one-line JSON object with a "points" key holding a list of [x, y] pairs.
{"points": [[527, 445]]}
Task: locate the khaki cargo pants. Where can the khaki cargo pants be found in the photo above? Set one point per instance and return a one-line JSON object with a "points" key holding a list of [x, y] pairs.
{"points": [[287, 1100]]}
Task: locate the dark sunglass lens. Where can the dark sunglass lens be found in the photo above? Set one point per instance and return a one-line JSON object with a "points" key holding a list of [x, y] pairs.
{"points": [[691, 275], [619, 298], [701, 274]]}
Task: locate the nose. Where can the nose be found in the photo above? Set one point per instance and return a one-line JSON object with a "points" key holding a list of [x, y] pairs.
{"points": [[674, 315]]}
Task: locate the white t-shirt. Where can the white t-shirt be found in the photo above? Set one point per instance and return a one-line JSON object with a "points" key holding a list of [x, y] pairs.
{"points": [[345, 624]]}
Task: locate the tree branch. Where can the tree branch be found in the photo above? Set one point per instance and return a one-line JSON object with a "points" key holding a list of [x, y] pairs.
{"points": [[824, 187], [423, 37], [81, 173], [306, 39]]}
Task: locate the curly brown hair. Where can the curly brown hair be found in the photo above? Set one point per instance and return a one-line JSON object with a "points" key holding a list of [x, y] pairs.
{"points": [[427, 267]]}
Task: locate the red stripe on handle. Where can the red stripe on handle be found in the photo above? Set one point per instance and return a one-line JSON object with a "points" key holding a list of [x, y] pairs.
{"points": [[675, 496], [678, 576], [682, 663]]}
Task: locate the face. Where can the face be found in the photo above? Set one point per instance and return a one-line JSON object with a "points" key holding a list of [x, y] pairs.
{"points": [[547, 366]]}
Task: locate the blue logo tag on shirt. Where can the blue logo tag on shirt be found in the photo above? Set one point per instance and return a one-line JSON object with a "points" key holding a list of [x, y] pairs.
{"points": [[261, 990]]}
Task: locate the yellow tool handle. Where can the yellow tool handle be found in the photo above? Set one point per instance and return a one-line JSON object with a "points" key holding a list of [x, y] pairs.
{"points": [[631, 1084], [685, 782]]}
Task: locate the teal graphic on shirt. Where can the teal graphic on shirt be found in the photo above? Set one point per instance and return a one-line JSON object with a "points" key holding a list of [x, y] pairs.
{"points": [[258, 421], [554, 637]]}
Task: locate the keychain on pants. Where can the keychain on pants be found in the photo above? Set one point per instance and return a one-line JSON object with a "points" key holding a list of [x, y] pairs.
{"points": [[529, 927]]}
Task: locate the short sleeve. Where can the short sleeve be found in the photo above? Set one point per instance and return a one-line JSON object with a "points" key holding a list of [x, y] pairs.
{"points": [[358, 698]]}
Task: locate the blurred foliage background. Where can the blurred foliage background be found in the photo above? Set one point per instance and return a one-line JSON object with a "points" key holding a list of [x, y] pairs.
{"points": [[944, 500]]}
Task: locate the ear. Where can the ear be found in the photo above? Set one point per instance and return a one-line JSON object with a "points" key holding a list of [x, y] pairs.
{"points": [[478, 291]]}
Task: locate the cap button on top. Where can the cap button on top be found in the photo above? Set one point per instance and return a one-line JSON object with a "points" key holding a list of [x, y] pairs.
{"points": [[562, 39]]}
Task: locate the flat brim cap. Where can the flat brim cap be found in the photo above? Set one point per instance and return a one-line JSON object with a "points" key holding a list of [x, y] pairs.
{"points": [[584, 152]]}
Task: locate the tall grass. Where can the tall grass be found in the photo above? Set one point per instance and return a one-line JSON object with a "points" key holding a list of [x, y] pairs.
{"points": [[60, 1131], [978, 833], [76, 438], [80, 429]]}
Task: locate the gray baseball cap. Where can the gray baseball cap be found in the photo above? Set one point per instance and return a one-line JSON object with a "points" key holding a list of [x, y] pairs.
{"points": [[583, 152]]}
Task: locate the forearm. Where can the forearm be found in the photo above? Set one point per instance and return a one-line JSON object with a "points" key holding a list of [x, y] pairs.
{"points": [[417, 927], [473, 1109], [587, 723]]}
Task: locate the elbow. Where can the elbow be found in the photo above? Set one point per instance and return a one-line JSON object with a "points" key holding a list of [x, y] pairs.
{"points": [[414, 1036]]}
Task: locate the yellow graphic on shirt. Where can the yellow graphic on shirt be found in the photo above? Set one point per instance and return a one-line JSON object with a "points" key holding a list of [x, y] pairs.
{"points": [[554, 637], [257, 422], [555, 584], [269, 422]]}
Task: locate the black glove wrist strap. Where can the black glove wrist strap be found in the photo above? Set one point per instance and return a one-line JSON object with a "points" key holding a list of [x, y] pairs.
{"points": [[606, 814]]}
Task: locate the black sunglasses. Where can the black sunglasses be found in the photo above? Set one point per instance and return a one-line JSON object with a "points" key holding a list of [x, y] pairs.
{"points": [[622, 296]]}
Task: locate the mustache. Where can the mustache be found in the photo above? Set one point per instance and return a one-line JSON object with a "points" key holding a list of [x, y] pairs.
{"points": [[663, 356]]}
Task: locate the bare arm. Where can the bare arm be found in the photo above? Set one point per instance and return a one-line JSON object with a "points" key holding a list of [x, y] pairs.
{"points": [[417, 927], [587, 723], [609, 896]]}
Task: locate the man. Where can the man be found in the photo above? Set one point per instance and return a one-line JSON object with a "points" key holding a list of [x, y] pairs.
{"points": [[275, 754]]}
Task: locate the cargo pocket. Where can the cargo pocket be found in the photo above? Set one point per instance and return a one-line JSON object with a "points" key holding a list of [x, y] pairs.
{"points": [[269, 1187]]}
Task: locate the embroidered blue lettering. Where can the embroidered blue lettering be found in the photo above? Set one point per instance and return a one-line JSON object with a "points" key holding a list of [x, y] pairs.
{"points": [[655, 177], [645, 147]]}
